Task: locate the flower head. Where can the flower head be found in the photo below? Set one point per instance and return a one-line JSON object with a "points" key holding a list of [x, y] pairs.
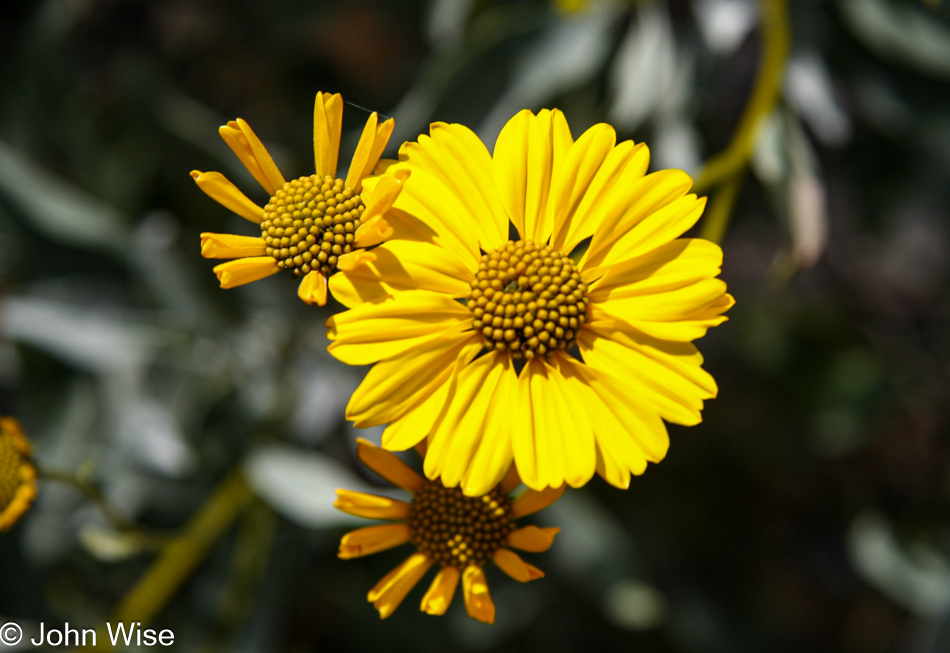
{"points": [[461, 534], [17, 473], [312, 226], [563, 348]]}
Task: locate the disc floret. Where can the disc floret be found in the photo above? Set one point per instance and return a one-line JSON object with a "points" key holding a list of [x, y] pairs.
{"points": [[310, 222], [528, 299], [455, 530]]}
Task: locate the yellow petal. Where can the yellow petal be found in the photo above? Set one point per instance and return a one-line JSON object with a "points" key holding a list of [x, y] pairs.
{"points": [[512, 564], [412, 428], [478, 603], [388, 466], [392, 589], [373, 539], [469, 417], [576, 432], [529, 151], [439, 597], [491, 457], [531, 501], [383, 131], [217, 187], [373, 228], [231, 246], [670, 396], [396, 385], [370, 506], [532, 538], [451, 198], [619, 431], [401, 265], [612, 192], [523, 434], [374, 231], [670, 292], [355, 259], [248, 147], [623, 315], [573, 180], [642, 216], [235, 139], [668, 305], [327, 125], [675, 264], [313, 288], [372, 332], [544, 400], [245, 270], [371, 145]]}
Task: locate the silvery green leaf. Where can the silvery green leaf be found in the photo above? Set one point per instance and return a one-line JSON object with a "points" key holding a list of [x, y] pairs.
{"points": [[917, 578], [59, 209], [107, 544], [644, 71], [769, 156], [809, 89], [301, 485], [724, 24], [568, 53], [902, 31], [445, 23], [676, 144], [89, 338], [807, 205], [635, 605], [592, 546]]}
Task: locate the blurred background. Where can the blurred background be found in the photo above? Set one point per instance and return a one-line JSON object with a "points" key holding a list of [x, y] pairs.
{"points": [[809, 511]]}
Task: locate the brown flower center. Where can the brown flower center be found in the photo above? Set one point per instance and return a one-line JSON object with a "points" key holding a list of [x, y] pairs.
{"points": [[528, 299], [310, 223], [455, 530], [11, 463]]}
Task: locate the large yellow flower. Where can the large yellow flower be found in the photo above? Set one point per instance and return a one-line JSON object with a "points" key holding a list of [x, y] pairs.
{"points": [[459, 533], [499, 349], [311, 226], [17, 473]]}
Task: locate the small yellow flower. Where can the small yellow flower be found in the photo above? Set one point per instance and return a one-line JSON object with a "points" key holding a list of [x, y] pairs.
{"points": [[534, 305], [312, 226], [17, 473], [459, 533]]}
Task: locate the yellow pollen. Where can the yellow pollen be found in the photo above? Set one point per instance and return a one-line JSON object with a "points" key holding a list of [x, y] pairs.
{"points": [[11, 463], [310, 223], [528, 299], [455, 530]]}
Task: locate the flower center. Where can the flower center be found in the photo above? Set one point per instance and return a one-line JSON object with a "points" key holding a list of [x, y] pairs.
{"points": [[456, 530], [11, 460], [310, 223], [528, 299]]}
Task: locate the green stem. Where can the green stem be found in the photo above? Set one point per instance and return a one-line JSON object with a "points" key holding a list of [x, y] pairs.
{"points": [[723, 168], [720, 208], [93, 493]]}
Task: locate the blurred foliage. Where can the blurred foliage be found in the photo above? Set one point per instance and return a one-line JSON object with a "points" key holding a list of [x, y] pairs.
{"points": [[809, 510]]}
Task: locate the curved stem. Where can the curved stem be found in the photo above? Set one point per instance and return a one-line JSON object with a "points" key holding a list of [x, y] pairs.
{"points": [[146, 539], [726, 165], [93, 493]]}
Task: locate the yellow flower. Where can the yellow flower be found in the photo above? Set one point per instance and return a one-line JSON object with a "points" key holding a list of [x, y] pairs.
{"points": [[563, 351], [312, 226], [459, 533], [17, 473]]}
